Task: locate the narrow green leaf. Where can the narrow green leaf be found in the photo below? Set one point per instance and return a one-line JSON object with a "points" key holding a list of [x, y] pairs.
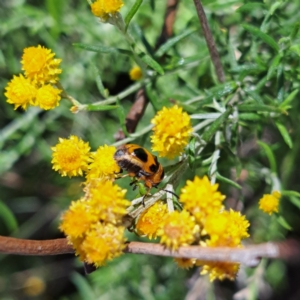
{"points": [[228, 181], [209, 133], [223, 89], [191, 151], [258, 108], [249, 117], [290, 193], [285, 134], [100, 107], [8, 217], [274, 65], [261, 35], [132, 12], [99, 83], [249, 7], [295, 201], [172, 41], [269, 154], [102, 49], [152, 63], [248, 68], [289, 99], [122, 118], [255, 96], [284, 223], [85, 289]]}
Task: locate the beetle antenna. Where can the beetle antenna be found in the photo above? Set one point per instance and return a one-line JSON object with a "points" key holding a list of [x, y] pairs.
{"points": [[172, 193]]}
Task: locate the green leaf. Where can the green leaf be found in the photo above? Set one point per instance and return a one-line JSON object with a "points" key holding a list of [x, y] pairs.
{"points": [[255, 96], [249, 117], [289, 99], [258, 108], [85, 289], [295, 201], [191, 152], [216, 92], [100, 107], [285, 134], [249, 7], [172, 41], [289, 193], [8, 217], [99, 83], [284, 223], [274, 66], [102, 49], [228, 181], [209, 133], [122, 118], [151, 63], [261, 35], [270, 155], [132, 12]]}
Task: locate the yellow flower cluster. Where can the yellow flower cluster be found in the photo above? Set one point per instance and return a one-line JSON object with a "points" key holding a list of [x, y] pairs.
{"points": [[225, 229], [104, 8], [203, 216], [72, 157], [36, 87], [269, 202], [94, 224], [171, 131], [201, 198]]}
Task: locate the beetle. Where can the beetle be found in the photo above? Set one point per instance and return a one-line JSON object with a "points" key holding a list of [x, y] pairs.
{"points": [[140, 163]]}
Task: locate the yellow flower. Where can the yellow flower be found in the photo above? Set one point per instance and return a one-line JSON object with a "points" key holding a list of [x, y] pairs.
{"points": [[178, 229], [20, 92], [102, 164], [77, 245], [70, 156], [151, 219], [219, 270], [171, 131], [40, 66], [78, 219], [226, 229], [48, 97], [108, 202], [201, 198], [269, 202], [104, 8], [135, 73], [104, 242], [184, 263]]}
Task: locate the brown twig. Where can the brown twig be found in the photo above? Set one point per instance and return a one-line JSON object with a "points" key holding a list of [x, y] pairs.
{"points": [[249, 255], [134, 115], [210, 41], [169, 19]]}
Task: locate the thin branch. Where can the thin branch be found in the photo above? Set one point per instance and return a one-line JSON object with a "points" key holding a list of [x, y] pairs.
{"points": [[249, 255], [169, 19], [210, 41], [134, 115]]}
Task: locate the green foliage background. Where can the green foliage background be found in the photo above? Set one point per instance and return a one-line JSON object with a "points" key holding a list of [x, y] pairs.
{"points": [[259, 45]]}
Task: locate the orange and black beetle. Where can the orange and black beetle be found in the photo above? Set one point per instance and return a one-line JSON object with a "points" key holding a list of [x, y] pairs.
{"points": [[140, 163]]}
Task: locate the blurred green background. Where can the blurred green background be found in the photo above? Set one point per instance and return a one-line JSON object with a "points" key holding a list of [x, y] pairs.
{"points": [[32, 196]]}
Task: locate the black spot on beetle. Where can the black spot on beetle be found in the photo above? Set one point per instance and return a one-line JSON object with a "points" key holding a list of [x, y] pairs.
{"points": [[141, 154], [153, 168]]}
